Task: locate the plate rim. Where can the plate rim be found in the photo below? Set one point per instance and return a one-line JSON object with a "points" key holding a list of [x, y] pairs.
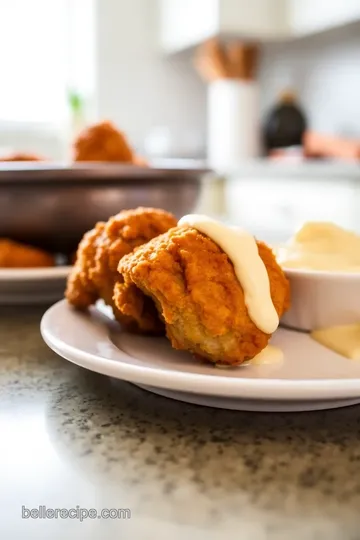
{"points": [[217, 385], [34, 274], [252, 405]]}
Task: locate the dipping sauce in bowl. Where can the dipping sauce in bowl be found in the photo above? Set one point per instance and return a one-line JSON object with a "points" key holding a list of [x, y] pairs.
{"points": [[322, 263], [322, 246]]}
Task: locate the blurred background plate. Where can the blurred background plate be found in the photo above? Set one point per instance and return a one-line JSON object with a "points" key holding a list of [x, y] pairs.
{"points": [[34, 274], [30, 286]]}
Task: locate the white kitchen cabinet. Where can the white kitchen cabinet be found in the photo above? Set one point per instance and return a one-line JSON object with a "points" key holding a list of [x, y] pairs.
{"points": [[185, 23], [259, 19], [311, 16]]}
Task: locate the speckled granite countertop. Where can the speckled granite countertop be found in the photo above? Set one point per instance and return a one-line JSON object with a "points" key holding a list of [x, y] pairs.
{"points": [[70, 437]]}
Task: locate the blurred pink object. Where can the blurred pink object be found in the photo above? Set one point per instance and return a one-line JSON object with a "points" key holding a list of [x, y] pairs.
{"points": [[319, 145]]}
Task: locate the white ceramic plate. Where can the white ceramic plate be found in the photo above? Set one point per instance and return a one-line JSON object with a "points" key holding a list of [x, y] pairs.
{"points": [[30, 286], [310, 377]]}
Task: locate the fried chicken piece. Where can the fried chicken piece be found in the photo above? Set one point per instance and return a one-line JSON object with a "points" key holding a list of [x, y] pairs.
{"points": [[102, 142], [194, 287], [22, 156], [140, 161], [16, 255], [95, 272]]}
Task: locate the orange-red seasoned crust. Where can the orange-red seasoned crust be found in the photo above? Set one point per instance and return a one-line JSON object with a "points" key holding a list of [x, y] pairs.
{"points": [[95, 272], [193, 284]]}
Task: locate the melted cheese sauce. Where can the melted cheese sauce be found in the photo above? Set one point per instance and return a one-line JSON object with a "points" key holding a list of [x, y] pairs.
{"points": [[242, 250]]}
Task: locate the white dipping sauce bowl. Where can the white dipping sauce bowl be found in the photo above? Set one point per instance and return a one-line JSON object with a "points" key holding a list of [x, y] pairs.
{"points": [[321, 299]]}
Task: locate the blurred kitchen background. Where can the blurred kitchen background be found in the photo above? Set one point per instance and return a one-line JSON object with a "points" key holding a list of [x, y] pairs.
{"points": [[281, 133]]}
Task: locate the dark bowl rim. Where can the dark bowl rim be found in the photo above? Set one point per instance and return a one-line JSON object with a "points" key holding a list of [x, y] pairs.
{"points": [[12, 172]]}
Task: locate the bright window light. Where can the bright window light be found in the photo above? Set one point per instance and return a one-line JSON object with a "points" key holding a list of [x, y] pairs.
{"points": [[47, 49]]}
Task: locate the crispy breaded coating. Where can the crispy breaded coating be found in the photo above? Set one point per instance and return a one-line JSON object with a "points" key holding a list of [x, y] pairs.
{"points": [[102, 142], [194, 287], [16, 255], [95, 272], [81, 292]]}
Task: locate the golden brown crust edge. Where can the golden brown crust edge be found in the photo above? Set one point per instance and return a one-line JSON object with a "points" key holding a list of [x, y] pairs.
{"points": [[193, 284], [95, 272]]}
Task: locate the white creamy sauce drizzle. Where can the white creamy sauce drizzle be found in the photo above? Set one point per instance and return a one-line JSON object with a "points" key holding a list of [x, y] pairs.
{"points": [[242, 250]]}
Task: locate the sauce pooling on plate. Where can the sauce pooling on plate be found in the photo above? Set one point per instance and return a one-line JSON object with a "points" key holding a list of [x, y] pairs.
{"points": [[344, 340], [242, 250], [271, 355]]}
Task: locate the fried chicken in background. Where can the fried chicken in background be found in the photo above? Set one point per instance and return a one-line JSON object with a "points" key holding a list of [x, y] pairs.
{"points": [[22, 156], [194, 287], [140, 161], [102, 142], [95, 272], [16, 255]]}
